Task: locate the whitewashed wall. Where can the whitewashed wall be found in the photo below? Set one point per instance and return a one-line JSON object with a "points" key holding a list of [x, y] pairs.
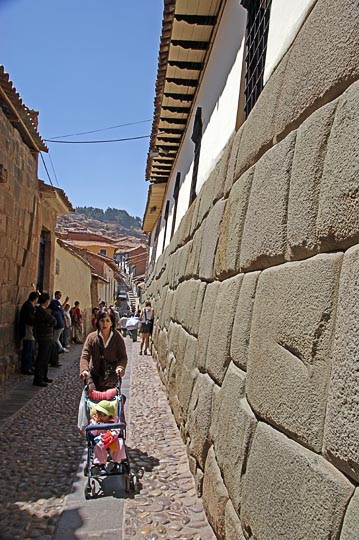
{"points": [[287, 16]]}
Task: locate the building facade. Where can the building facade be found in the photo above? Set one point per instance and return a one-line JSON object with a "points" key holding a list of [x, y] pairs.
{"points": [[28, 210], [253, 217]]}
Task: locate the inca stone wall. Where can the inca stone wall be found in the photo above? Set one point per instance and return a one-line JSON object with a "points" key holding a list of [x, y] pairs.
{"points": [[20, 225], [257, 303]]}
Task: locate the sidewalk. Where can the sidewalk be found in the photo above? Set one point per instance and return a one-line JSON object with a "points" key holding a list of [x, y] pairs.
{"points": [[41, 488]]}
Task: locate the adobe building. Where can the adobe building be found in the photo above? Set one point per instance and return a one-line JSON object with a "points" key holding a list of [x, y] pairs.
{"points": [[28, 211], [253, 223], [73, 276]]}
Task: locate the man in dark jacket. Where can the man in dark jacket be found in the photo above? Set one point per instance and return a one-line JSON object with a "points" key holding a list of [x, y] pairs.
{"points": [[44, 324], [26, 323]]}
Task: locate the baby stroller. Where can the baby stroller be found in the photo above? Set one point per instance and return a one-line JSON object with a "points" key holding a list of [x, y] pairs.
{"points": [[94, 472]]}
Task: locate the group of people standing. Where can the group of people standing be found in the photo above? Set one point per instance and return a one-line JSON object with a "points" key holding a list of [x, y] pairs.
{"points": [[52, 325]]}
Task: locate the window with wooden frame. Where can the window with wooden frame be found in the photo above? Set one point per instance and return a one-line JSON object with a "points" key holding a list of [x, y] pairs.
{"points": [[256, 49], [175, 203], [197, 139]]}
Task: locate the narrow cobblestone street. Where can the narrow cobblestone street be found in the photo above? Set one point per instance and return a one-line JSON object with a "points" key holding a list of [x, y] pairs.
{"points": [[42, 480]]}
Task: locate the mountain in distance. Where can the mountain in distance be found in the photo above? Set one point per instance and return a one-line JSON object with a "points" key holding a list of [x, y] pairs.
{"points": [[112, 223]]}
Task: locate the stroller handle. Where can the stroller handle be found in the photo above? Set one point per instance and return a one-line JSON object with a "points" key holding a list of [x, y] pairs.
{"points": [[93, 427], [118, 383]]}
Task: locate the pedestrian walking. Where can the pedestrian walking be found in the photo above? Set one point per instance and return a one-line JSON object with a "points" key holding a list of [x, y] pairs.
{"points": [[123, 322], [44, 324], [76, 319], [146, 318], [26, 324], [132, 326], [95, 313], [67, 333]]}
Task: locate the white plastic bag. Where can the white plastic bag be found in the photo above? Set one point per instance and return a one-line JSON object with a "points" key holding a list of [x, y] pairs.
{"points": [[82, 420]]}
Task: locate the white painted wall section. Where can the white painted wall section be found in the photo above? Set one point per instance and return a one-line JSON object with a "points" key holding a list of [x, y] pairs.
{"points": [[286, 19], [219, 91], [218, 96]]}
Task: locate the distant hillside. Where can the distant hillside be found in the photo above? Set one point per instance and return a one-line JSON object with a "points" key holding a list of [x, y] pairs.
{"points": [[111, 222], [111, 215]]}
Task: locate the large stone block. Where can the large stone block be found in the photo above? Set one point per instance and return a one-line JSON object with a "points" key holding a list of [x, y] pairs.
{"points": [[189, 307], [209, 241], [187, 375], [342, 422], [264, 237], [338, 216], [162, 347], [221, 187], [233, 524], [219, 338], [205, 323], [291, 493], [232, 428], [350, 530], [290, 347], [167, 308], [308, 162], [215, 496], [199, 418], [243, 320], [323, 57], [230, 236], [172, 337], [231, 175], [194, 253], [258, 131]]}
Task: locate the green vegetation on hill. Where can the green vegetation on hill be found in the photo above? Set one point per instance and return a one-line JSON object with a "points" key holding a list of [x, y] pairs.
{"points": [[111, 215]]}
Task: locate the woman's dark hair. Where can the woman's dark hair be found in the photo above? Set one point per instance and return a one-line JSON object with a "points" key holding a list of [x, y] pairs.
{"points": [[102, 316]]}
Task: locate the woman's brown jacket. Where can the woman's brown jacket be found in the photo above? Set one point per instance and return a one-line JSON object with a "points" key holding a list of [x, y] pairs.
{"points": [[102, 362]]}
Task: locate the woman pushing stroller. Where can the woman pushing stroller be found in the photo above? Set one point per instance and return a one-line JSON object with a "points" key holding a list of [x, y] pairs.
{"points": [[103, 357], [102, 365]]}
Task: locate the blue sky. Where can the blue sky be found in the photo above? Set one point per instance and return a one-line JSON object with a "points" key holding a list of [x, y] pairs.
{"points": [[86, 65]]}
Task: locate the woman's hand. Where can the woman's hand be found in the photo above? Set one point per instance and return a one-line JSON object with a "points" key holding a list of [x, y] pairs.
{"points": [[120, 371], [84, 375]]}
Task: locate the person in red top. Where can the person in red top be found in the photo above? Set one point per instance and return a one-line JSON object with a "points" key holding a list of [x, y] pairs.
{"points": [[76, 318]]}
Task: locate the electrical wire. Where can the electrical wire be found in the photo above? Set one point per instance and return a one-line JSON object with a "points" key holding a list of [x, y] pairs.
{"points": [[53, 169], [102, 129], [96, 142], [47, 172]]}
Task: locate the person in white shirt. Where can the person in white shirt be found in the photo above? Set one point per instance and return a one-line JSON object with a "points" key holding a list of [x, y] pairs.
{"points": [[132, 326]]}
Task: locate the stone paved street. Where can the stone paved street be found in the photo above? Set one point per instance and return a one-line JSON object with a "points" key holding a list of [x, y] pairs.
{"points": [[41, 486]]}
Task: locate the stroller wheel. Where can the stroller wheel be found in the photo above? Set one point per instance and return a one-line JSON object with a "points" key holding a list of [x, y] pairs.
{"points": [[134, 482], [127, 484], [93, 489], [87, 492]]}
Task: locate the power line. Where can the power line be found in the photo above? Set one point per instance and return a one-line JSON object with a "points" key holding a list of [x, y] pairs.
{"points": [[96, 142], [47, 172], [97, 130], [53, 169]]}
